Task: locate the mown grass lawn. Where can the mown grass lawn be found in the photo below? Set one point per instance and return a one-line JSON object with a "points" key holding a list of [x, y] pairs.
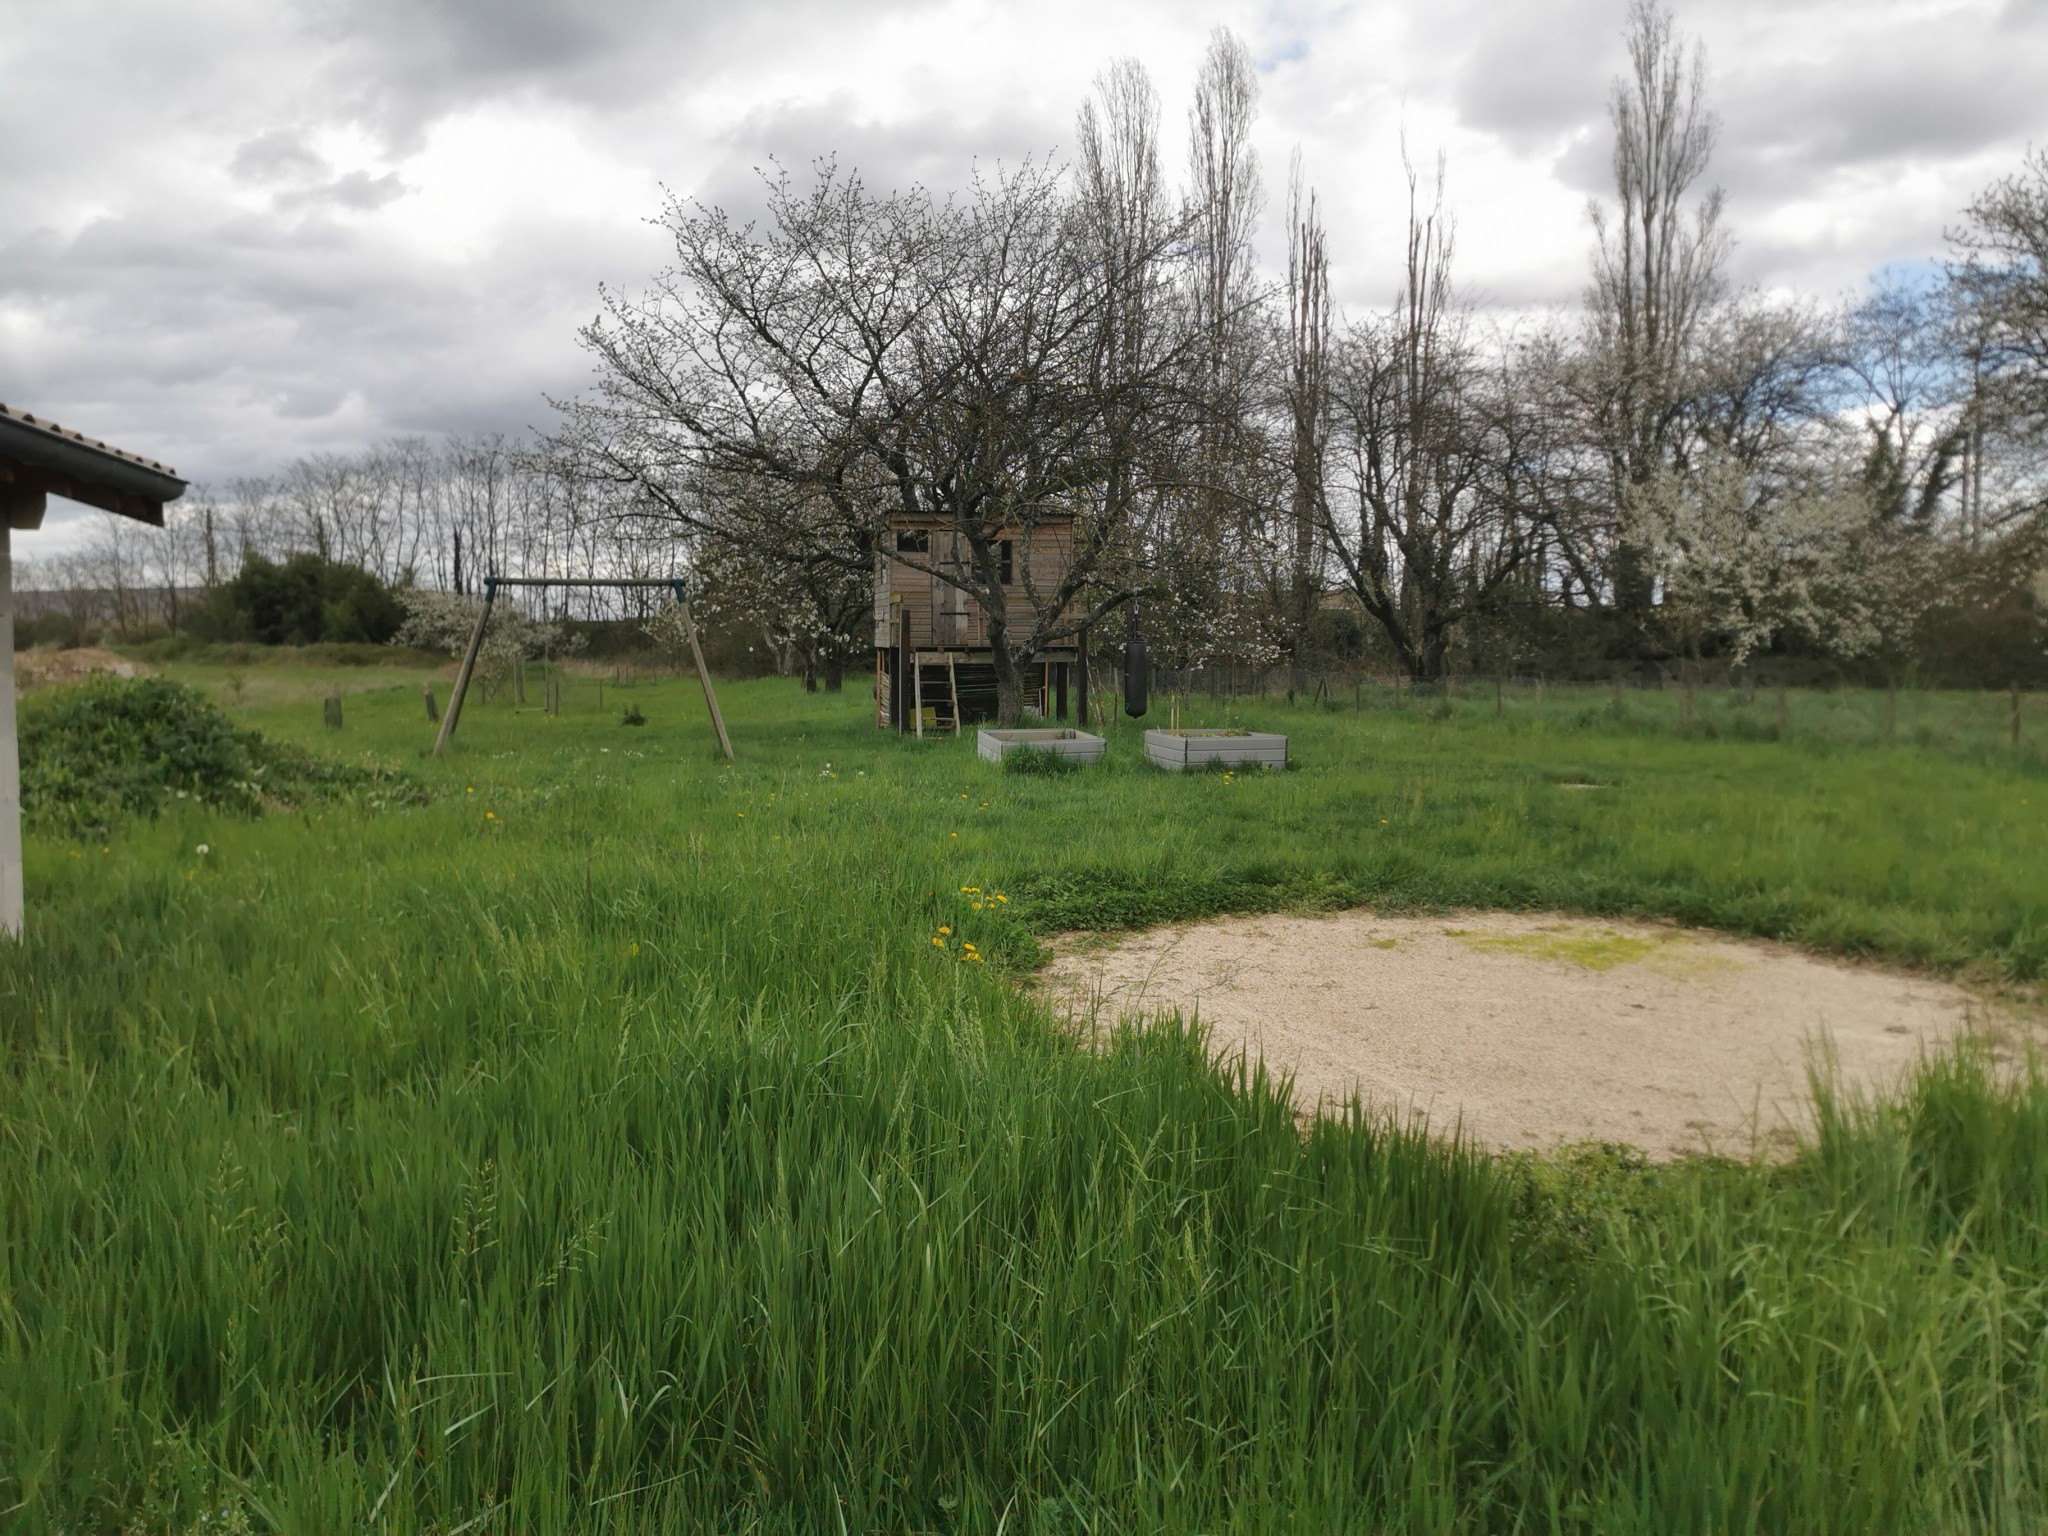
{"points": [[607, 1145]]}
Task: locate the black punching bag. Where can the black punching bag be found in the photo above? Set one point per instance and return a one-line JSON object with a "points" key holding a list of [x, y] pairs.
{"points": [[1137, 669]]}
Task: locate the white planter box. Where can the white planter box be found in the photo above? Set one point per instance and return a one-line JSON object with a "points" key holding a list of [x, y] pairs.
{"points": [[1178, 751], [1078, 745]]}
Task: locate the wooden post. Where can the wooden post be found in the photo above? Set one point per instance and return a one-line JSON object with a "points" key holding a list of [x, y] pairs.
{"points": [[10, 762], [899, 664], [330, 713], [433, 709], [1081, 678], [704, 677], [462, 675]]}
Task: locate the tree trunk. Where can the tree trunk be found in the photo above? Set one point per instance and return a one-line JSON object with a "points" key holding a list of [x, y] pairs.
{"points": [[1009, 678], [835, 672]]}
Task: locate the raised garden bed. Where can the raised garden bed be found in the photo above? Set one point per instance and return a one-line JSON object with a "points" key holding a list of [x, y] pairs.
{"points": [[1077, 746], [1178, 751]]}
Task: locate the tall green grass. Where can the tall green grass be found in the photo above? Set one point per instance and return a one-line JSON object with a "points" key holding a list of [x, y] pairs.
{"points": [[607, 1146]]}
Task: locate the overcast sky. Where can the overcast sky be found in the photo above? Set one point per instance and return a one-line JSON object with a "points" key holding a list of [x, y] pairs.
{"points": [[233, 231]]}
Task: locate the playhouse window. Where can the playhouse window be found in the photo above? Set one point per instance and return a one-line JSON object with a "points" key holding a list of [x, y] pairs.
{"points": [[1007, 554], [913, 541]]}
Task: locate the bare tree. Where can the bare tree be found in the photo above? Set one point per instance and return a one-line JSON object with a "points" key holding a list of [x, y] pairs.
{"points": [[2002, 278], [1896, 344], [1420, 523], [1657, 273], [867, 357], [1228, 196], [1127, 227], [1308, 401], [1210, 568]]}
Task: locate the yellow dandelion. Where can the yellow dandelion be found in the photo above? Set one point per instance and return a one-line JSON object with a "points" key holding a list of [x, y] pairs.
{"points": [[944, 929], [1001, 897], [952, 834], [938, 941], [633, 949], [490, 815], [471, 790]]}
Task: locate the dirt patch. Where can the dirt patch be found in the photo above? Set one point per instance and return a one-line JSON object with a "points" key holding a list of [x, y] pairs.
{"points": [[1530, 1030], [40, 668]]}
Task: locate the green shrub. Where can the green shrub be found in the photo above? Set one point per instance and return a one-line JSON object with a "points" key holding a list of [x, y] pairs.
{"points": [[305, 601], [109, 748]]}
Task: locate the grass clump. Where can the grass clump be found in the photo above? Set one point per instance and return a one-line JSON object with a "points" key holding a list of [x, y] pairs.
{"points": [[1040, 762], [110, 748]]}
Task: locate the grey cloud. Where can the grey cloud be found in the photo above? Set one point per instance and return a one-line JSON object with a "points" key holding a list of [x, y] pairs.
{"points": [[228, 348], [929, 150], [1535, 74], [1924, 96], [281, 154], [403, 62], [358, 191]]}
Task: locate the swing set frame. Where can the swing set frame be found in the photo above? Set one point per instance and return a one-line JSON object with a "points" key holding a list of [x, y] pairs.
{"points": [[476, 642]]}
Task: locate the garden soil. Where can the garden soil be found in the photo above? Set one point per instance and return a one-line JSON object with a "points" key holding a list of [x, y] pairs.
{"points": [[1526, 1031], [39, 668]]}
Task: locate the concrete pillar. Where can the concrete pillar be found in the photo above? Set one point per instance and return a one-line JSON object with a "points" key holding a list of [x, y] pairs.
{"points": [[10, 760]]}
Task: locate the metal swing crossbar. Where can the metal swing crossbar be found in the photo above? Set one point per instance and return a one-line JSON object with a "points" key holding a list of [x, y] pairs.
{"points": [[483, 619]]}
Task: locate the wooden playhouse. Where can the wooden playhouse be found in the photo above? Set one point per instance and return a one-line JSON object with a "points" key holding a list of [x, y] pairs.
{"points": [[934, 670]]}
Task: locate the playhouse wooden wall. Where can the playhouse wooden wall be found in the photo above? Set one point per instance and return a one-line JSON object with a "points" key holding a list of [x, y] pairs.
{"points": [[941, 615]]}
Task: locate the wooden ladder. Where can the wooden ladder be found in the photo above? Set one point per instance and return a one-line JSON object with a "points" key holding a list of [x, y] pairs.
{"points": [[919, 661]]}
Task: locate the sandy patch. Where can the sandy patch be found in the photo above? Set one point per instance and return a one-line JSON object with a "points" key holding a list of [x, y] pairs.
{"points": [[1528, 1030], [37, 668]]}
